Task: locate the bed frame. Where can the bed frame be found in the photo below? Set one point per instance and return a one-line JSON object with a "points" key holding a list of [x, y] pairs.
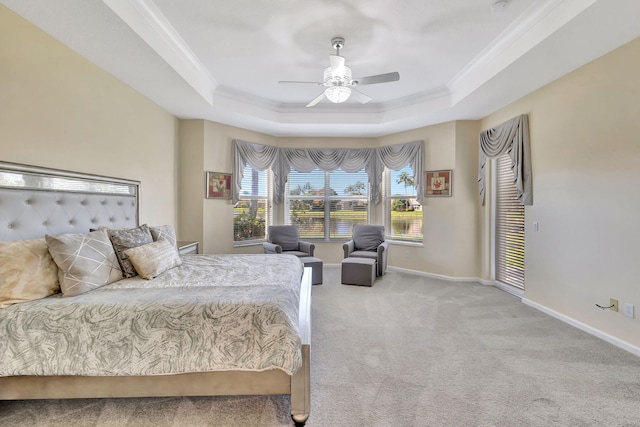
{"points": [[35, 201]]}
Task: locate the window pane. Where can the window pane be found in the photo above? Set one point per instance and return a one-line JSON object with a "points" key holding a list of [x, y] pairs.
{"points": [[252, 215], [249, 220], [349, 184], [305, 204], [350, 205], [326, 205], [254, 183], [405, 213], [344, 214]]}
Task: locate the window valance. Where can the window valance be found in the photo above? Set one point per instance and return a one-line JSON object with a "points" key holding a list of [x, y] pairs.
{"points": [[373, 160], [510, 137]]}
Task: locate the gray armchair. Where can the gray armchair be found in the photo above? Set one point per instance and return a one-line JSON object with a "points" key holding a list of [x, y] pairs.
{"points": [[284, 239], [368, 242]]}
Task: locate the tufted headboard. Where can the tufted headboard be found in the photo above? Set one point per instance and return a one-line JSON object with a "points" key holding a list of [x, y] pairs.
{"points": [[35, 201]]}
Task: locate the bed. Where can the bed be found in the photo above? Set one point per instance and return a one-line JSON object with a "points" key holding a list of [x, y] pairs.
{"points": [[209, 351]]}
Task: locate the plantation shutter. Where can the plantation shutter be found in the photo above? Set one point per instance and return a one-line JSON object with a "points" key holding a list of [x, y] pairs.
{"points": [[509, 260]]}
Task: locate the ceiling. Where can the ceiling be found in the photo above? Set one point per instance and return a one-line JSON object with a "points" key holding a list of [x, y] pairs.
{"points": [[222, 60]]}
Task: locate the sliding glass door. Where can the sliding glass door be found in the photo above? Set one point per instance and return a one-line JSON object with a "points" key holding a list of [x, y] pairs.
{"points": [[508, 227]]}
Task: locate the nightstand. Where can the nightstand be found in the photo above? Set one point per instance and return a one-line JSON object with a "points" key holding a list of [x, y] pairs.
{"points": [[187, 248]]}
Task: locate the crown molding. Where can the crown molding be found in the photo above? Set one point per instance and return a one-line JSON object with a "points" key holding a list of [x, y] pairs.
{"points": [[540, 21], [146, 20]]}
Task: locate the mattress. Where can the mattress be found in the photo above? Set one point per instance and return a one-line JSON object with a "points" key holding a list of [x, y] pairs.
{"points": [[212, 313]]}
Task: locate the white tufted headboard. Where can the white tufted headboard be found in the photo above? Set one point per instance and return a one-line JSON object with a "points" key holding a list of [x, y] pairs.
{"points": [[35, 201]]}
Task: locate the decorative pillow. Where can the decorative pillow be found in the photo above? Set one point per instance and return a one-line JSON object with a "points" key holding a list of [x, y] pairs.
{"points": [[27, 272], [85, 261], [155, 258], [368, 237], [166, 232], [285, 236], [127, 238]]}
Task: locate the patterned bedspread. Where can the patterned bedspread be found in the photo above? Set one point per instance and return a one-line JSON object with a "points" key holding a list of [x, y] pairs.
{"points": [[214, 312]]}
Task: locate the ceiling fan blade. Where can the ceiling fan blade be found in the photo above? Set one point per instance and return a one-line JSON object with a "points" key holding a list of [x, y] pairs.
{"points": [[310, 83], [359, 96], [337, 65], [379, 78], [316, 100]]}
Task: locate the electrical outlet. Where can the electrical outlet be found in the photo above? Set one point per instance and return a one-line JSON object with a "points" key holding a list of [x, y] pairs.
{"points": [[628, 310], [614, 304]]}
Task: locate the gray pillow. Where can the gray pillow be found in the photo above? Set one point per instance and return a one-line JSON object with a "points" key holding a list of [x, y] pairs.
{"points": [[85, 261], [285, 236], [127, 238], [367, 237], [166, 232]]}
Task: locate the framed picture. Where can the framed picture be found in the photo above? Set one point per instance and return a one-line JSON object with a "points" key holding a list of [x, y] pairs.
{"points": [[437, 183], [218, 185]]}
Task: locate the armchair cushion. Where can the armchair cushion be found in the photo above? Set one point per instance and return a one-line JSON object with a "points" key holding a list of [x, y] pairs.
{"points": [[368, 237], [285, 236]]}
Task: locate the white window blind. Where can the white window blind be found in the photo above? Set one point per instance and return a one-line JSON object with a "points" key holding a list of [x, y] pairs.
{"points": [[509, 239], [252, 213], [326, 205], [403, 212]]}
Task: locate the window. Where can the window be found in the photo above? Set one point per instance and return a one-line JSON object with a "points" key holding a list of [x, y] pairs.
{"points": [[403, 212], [252, 213], [509, 227], [326, 205]]}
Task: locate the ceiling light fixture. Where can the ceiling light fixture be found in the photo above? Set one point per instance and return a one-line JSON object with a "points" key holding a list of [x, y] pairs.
{"points": [[337, 81], [337, 78]]}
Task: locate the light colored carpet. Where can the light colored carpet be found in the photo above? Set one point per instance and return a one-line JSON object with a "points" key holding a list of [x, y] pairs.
{"points": [[410, 351]]}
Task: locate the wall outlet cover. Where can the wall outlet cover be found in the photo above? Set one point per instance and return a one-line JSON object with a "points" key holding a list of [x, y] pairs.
{"points": [[628, 310]]}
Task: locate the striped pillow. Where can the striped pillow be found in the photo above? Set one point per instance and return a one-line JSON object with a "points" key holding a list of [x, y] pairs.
{"points": [[153, 259], [85, 261]]}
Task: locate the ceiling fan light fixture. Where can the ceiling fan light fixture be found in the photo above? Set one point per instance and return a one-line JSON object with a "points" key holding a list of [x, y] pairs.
{"points": [[337, 94]]}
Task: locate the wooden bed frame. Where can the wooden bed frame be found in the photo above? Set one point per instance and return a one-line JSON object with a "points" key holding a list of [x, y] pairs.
{"points": [[221, 383]]}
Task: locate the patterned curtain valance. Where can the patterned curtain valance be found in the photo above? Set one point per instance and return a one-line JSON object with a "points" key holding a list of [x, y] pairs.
{"points": [[372, 160], [510, 137]]}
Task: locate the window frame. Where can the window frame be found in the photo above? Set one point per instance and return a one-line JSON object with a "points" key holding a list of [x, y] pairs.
{"points": [[388, 199], [268, 203], [328, 198]]}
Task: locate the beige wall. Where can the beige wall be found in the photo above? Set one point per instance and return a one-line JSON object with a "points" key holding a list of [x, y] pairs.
{"points": [[585, 148], [451, 226], [218, 214], [59, 110]]}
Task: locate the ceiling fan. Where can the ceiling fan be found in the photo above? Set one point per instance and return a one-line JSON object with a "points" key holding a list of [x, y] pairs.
{"points": [[339, 85]]}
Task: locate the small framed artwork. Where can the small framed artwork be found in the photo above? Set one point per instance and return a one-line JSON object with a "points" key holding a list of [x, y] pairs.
{"points": [[438, 183], [218, 185]]}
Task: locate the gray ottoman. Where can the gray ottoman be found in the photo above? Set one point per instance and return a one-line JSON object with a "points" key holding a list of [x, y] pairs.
{"points": [[316, 268], [358, 271]]}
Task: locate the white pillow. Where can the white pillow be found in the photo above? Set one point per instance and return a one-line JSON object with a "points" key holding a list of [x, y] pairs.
{"points": [[27, 272], [153, 259], [85, 261]]}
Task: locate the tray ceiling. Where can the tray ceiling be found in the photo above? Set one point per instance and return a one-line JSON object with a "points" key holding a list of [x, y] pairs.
{"points": [[221, 60]]}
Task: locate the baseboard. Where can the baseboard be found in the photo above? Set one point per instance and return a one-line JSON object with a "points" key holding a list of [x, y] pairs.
{"points": [[435, 276], [431, 275], [582, 326]]}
